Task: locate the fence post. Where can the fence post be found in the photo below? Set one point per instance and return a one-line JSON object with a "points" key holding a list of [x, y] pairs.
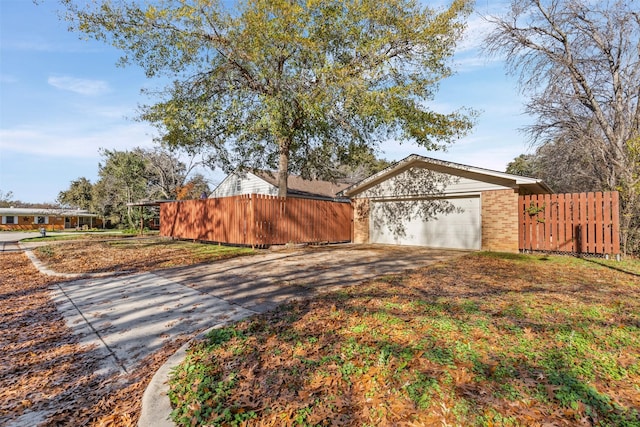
{"points": [[615, 216], [578, 238]]}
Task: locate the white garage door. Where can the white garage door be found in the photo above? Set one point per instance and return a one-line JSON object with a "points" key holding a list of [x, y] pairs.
{"points": [[416, 223]]}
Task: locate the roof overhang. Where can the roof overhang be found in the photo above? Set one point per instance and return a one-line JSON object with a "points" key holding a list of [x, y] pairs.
{"points": [[149, 202], [521, 183], [45, 212]]}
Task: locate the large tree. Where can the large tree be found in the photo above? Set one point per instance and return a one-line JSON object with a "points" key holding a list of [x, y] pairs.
{"points": [[6, 199], [166, 175], [566, 166], [79, 194], [122, 182], [133, 176], [578, 62], [287, 84]]}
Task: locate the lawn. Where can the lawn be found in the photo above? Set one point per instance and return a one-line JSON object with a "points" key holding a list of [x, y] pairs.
{"points": [[487, 339], [132, 254]]}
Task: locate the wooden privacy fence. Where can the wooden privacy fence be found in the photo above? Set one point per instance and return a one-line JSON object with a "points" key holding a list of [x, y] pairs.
{"points": [[257, 220], [578, 223]]}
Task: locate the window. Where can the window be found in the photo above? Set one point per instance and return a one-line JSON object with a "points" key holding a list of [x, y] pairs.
{"points": [[41, 220], [9, 220], [238, 186]]}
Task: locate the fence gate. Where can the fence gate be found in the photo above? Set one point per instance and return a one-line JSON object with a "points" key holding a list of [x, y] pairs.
{"points": [[583, 223]]}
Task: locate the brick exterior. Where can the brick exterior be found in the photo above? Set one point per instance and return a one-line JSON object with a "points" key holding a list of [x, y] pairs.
{"points": [[500, 221], [361, 220], [56, 223]]}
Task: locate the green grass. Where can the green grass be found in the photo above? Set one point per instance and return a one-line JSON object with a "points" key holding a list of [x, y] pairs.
{"points": [[483, 340], [628, 265]]}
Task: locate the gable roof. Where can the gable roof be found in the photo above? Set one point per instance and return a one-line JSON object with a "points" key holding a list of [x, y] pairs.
{"points": [[298, 186], [532, 185]]}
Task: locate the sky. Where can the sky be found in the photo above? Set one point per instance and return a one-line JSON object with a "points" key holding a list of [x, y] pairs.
{"points": [[63, 99]]}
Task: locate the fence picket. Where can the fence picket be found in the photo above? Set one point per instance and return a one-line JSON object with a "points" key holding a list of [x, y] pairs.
{"points": [[615, 225], [522, 202], [578, 223], [257, 220], [598, 226]]}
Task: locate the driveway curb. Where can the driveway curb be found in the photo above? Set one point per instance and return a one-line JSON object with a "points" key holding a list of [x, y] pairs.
{"points": [[156, 406]]}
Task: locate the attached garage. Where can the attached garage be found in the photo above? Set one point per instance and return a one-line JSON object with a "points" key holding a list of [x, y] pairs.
{"points": [[458, 229], [421, 201]]}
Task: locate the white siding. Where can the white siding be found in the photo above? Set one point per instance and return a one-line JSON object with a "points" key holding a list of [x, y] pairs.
{"points": [[236, 184], [423, 182], [4, 219]]}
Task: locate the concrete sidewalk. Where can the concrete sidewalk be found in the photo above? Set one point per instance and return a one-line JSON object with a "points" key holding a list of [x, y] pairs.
{"points": [[133, 316]]}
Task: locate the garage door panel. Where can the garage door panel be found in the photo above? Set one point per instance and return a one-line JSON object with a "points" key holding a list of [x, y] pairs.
{"points": [[416, 223]]}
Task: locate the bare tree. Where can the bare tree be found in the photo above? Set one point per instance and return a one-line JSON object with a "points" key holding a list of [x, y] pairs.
{"points": [[579, 63], [165, 173]]}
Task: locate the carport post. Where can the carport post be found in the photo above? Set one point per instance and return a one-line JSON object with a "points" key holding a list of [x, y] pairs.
{"points": [[141, 222]]}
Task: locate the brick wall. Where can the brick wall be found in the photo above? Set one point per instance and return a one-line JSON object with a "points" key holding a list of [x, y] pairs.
{"points": [[500, 221], [360, 221], [26, 223]]}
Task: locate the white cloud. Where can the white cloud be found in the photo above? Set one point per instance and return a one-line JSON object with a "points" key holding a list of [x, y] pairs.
{"points": [[65, 141], [477, 29], [81, 86]]}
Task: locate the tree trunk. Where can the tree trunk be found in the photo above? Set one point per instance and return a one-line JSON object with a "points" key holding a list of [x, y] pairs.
{"points": [[283, 166]]}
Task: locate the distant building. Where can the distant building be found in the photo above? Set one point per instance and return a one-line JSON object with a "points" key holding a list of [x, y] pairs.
{"points": [[50, 219], [259, 182]]}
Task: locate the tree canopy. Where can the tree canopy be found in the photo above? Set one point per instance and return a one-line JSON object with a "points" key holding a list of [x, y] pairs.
{"points": [[79, 194], [132, 176], [578, 65], [287, 85]]}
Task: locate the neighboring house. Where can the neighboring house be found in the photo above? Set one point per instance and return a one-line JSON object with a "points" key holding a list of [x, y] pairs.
{"points": [[427, 202], [50, 219], [258, 182]]}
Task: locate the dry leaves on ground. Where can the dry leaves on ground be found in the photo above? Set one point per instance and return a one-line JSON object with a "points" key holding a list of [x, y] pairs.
{"points": [[481, 340], [129, 255], [45, 375]]}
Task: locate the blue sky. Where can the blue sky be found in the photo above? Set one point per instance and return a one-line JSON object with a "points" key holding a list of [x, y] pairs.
{"points": [[62, 99]]}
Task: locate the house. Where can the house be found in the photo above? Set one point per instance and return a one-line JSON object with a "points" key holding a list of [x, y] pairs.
{"points": [[50, 219], [428, 202], [262, 182]]}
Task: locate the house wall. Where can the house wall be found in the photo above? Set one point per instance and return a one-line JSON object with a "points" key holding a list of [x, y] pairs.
{"points": [[27, 222], [236, 184], [361, 209], [423, 182], [499, 217], [500, 221]]}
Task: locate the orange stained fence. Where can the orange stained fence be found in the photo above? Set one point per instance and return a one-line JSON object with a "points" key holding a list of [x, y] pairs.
{"points": [[585, 223], [257, 220]]}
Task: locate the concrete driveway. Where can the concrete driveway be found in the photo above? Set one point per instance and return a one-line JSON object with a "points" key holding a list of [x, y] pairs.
{"points": [[130, 317], [262, 282], [9, 239]]}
